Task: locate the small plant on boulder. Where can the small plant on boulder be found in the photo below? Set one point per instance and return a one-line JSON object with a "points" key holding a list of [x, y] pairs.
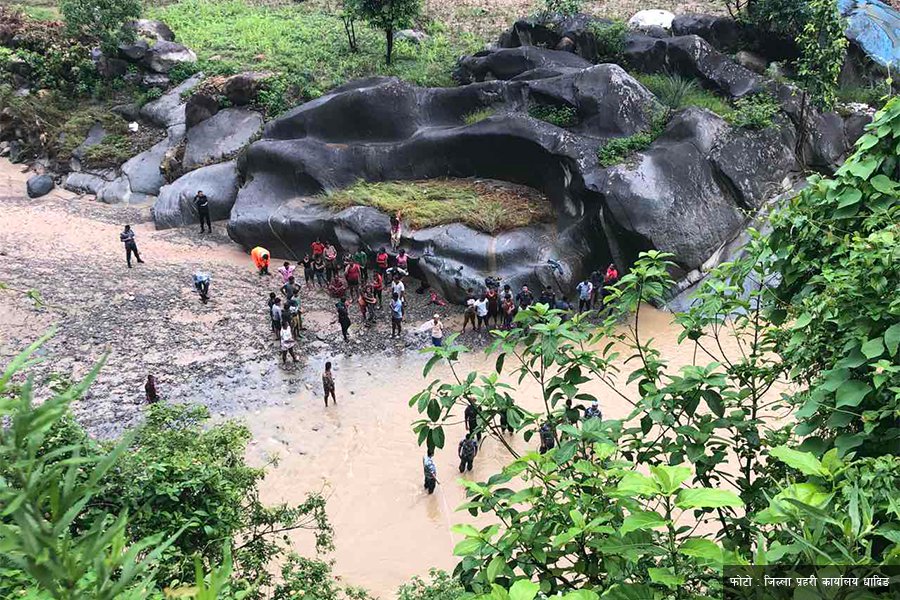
{"points": [[617, 150], [610, 40], [561, 116], [754, 112]]}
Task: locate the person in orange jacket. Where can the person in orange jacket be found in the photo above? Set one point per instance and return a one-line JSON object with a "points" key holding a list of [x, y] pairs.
{"points": [[261, 259]]}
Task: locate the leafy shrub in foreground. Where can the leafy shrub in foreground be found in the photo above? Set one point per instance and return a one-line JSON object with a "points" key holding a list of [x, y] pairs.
{"points": [[754, 112]]}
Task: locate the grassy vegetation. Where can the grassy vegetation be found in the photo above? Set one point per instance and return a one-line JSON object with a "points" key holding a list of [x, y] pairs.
{"points": [[482, 205], [305, 43], [478, 115], [561, 116], [676, 93], [874, 95], [618, 150]]}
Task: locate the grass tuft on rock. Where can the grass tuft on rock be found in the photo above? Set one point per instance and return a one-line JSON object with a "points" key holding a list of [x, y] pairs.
{"points": [[485, 205]]}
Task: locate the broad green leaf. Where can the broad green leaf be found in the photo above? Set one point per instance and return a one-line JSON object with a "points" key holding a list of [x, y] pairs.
{"points": [[701, 548], [873, 348], [497, 564], [641, 520], [804, 462], [581, 595], [851, 393], [465, 529], [883, 184], [849, 197], [670, 478], [636, 484], [892, 338], [629, 591], [864, 168], [665, 576], [523, 590], [707, 498], [467, 546], [437, 437]]}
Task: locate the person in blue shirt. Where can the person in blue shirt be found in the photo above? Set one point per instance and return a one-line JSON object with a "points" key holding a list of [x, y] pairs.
{"points": [[201, 284], [396, 314]]}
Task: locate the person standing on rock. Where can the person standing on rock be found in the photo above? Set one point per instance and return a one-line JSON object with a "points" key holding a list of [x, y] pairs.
{"points": [[596, 281], [202, 204], [318, 266], [585, 291], [524, 298], [396, 230], [285, 270], [277, 316], [469, 315], [127, 238], [508, 306], [352, 274], [343, 318], [381, 261], [290, 289], [362, 259], [378, 286], [396, 314], [493, 301], [296, 315], [328, 384], [398, 288], [610, 279], [287, 343], [403, 260], [367, 298], [308, 275], [468, 449], [430, 471], [481, 312], [318, 248], [261, 259], [330, 255]]}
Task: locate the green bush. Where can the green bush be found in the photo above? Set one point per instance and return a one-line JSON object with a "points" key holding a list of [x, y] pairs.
{"points": [[754, 112], [785, 18], [610, 39], [617, 150], [561, 116], [440, 586], [100, 20], [560, 7]]}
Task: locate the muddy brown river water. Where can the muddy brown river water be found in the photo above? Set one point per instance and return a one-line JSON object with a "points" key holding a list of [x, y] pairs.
{"points": [[363, 454]]}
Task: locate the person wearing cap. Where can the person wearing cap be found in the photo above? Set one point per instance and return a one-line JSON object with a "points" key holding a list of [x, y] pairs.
{"points": [[261, 259], [437, 331]]}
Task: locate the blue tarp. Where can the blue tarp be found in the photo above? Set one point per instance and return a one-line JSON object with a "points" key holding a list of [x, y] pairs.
{"points": [[875, 27]]}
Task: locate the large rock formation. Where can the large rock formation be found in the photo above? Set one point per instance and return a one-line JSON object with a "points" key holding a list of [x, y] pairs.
{"points": [[691, 192], [220, 136], [175, 205]]}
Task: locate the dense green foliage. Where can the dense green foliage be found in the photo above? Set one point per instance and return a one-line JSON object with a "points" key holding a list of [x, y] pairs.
{"points": [[754, 112], [822, 50], [610, 40], [100, 20], [610, 508], [171, 501], [675, 93], [560, 7], [561, 116]]}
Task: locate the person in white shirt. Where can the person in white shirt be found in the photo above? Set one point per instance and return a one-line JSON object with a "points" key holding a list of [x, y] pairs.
{"points": [[397, 287], [585, 291], [481, 311], [437, 331]]}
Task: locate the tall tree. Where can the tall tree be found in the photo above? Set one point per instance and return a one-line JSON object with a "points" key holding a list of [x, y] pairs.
{"points": [[389, 16]]}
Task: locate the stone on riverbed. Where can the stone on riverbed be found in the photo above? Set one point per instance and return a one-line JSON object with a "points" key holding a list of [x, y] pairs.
{"points": [[39, 185]]}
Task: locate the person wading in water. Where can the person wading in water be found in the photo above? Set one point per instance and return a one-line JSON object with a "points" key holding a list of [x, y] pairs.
{"points": [[468, 449], [328, 384], [430, 471]]}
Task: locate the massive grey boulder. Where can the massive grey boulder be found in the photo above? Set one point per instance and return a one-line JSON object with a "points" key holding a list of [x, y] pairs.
{"points": [[668, 199], [220, 136], [162, 56], [152, 29], [507, 63], [199, 107], [143, 172], [88, 183], [168, 110], [175, 205], [571, 33], [692, 57], [723, 33]]}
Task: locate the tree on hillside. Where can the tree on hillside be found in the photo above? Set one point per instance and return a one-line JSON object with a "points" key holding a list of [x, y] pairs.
{"points": [[101, 20], [388, 15]]}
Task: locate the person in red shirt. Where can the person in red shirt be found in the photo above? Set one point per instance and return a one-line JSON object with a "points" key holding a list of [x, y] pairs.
{"points": [[609, 279], [381, 261], [317, 249], [378, 286], [352, 274]]}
